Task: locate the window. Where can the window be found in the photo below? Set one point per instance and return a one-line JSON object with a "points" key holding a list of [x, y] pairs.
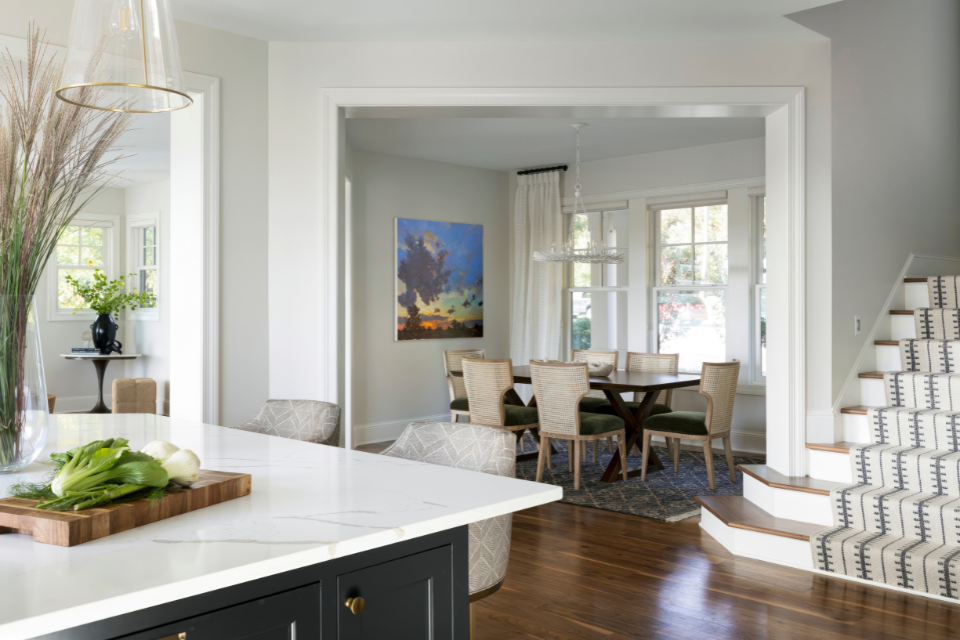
{"points": [[690, 295], [85, 245], [143, 260], [596, 295], [759, 360]]}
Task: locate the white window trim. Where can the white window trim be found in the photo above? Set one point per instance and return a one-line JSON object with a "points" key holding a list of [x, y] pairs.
{"points": [[565, 325], [655, 261], [133, 222], [756, 243], [111, 258]]}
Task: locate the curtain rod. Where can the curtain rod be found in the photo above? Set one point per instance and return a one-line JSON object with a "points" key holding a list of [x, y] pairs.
{"points": [[528, 172]]}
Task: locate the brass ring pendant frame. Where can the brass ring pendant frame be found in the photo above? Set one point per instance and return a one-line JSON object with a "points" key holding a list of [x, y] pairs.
{"points": [[123, 84]]}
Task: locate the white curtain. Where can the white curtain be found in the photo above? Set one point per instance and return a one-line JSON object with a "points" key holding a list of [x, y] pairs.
{"points": [[537, 286]]}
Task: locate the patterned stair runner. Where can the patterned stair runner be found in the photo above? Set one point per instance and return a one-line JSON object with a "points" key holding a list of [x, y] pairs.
{"points": [[934, 356], [940, 321]]}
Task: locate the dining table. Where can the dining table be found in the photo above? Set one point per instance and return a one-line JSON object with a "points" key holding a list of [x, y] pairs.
{"points": [[618, 382]]}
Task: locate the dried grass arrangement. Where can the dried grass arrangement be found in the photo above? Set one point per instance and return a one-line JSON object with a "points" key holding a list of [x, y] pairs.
{"points": [[54, 158]]}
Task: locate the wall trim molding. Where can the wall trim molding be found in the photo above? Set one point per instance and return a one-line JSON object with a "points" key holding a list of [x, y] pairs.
{"points": [[784, 110], [387, 431], [692, 189]]}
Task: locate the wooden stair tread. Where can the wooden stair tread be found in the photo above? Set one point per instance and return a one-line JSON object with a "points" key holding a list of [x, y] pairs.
{"points": [[740, 513], [889, 343], [873, 375], [914, 279], [859, 410], [773, 478], [901, 312], [838, 447]]}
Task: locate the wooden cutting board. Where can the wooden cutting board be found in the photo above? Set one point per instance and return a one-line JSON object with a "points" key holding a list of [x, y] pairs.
{"points": [[69, 528]]}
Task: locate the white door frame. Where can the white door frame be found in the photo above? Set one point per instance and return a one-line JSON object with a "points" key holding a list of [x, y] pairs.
{"points": [[783, 108], [195, 393]]}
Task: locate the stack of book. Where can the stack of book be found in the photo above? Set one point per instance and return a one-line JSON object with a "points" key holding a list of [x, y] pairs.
{"points": [[82, 350]]}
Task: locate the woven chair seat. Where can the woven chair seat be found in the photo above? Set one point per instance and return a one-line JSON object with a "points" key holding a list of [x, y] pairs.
{"points": [[689, 423], [607, 408], [592, 424]]}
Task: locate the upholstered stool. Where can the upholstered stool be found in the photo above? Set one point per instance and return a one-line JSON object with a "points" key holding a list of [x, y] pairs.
{"points": [[134, 395]]}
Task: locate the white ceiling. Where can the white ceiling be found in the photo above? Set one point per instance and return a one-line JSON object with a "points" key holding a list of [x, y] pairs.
{"points": [[515, 143], [499, 20], [148, 145]]}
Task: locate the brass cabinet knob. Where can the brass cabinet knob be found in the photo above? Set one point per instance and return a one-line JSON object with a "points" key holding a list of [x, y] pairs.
{"points": [[355, 605]]}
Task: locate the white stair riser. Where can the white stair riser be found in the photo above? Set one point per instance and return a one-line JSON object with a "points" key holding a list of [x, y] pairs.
{"points": [[760, 546], [829, 465], [855, 428], [872, 393], [888, 358], [901, 328], [916, 295], [784, 503]]}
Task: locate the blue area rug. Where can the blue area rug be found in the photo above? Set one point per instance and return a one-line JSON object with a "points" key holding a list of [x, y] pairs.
{"points": [[666, 495]]}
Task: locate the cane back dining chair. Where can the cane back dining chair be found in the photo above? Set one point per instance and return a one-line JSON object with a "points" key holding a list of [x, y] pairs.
{"points": [[452, 361], [307, 420], [595, 399], [559, 389], [474, 448], [647, 363], [718, 382], [487, 382]]}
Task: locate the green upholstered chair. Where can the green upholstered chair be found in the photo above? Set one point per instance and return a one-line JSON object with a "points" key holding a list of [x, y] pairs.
{"points": [[559, 389], [487, 382], [452, 361], [718, 382], [595, 399]]}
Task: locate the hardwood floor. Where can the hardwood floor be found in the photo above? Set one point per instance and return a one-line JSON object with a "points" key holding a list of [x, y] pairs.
{"points": [[577, 572]]}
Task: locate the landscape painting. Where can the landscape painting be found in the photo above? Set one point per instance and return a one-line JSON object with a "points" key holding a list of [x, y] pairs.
{"points": [[439, 280]]}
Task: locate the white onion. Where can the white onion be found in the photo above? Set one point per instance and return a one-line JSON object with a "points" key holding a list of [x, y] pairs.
{"points": [[160, 450], [183, 467]]}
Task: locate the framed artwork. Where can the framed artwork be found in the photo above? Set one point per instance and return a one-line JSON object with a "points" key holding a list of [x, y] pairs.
{"points": [[439, 280]]}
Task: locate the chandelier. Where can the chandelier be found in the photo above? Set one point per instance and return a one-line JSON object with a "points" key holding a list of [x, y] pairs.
{"points": [[596, 252]]}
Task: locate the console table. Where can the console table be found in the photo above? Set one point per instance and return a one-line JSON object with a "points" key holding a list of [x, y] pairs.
{"points": [[100, 362]]}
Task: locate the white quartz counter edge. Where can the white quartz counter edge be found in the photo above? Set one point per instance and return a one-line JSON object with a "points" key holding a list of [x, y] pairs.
{"points": [[144, 599]]}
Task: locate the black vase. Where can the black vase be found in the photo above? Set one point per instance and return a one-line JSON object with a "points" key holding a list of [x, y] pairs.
{"points": [[104, 334]]}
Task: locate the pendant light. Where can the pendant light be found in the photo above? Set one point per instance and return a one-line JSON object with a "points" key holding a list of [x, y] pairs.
{"points": [[597, 252], [123, 56]]}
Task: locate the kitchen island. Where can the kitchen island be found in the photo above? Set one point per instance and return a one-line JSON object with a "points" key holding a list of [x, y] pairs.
{"points": [[321, 525]]}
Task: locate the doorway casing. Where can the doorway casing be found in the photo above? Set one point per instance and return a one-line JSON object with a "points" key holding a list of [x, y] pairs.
{"points": [[782, 107]]}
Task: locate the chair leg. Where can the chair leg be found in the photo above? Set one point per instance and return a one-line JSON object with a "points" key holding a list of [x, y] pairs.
{"points": [[571, 451], [669, 443], [645, 455], [622, 447], [610, 445], [578, 445], [544, 455], [520, 439], [545, 444], [729, 451], [708, 457], [596, 450], [453, 416], [676, 455]]}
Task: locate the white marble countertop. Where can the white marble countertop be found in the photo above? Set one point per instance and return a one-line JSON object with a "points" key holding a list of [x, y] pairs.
{"points": [[309, 503]]}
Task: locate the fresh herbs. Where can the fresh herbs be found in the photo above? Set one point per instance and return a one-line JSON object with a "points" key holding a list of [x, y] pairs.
{"points": [[96, 474]]}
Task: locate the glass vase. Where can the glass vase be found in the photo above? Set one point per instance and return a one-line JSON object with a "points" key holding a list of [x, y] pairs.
{"points": [[24, 412]]}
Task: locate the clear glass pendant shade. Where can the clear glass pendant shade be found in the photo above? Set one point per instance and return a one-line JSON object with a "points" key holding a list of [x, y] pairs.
{"points": [[123, 56]]}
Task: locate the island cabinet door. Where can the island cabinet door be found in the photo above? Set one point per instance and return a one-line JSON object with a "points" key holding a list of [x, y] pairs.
{"points": [[411, 598], [291, 615]]}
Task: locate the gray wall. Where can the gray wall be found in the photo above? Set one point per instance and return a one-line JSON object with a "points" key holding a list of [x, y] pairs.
{"points": [[241, 65], [896, 150], [395, 382]]}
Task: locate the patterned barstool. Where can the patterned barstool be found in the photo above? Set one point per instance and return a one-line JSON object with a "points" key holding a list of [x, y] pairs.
{"points": [[307, 420], [475, 448], [452, 361], [559, 389], [718, 382]]}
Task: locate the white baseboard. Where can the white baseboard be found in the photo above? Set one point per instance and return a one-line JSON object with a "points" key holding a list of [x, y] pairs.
{"points": [[741, 441], [387, 431]]}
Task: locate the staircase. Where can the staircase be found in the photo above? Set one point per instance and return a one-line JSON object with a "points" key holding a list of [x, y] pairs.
{"points": [[883, 505]]}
